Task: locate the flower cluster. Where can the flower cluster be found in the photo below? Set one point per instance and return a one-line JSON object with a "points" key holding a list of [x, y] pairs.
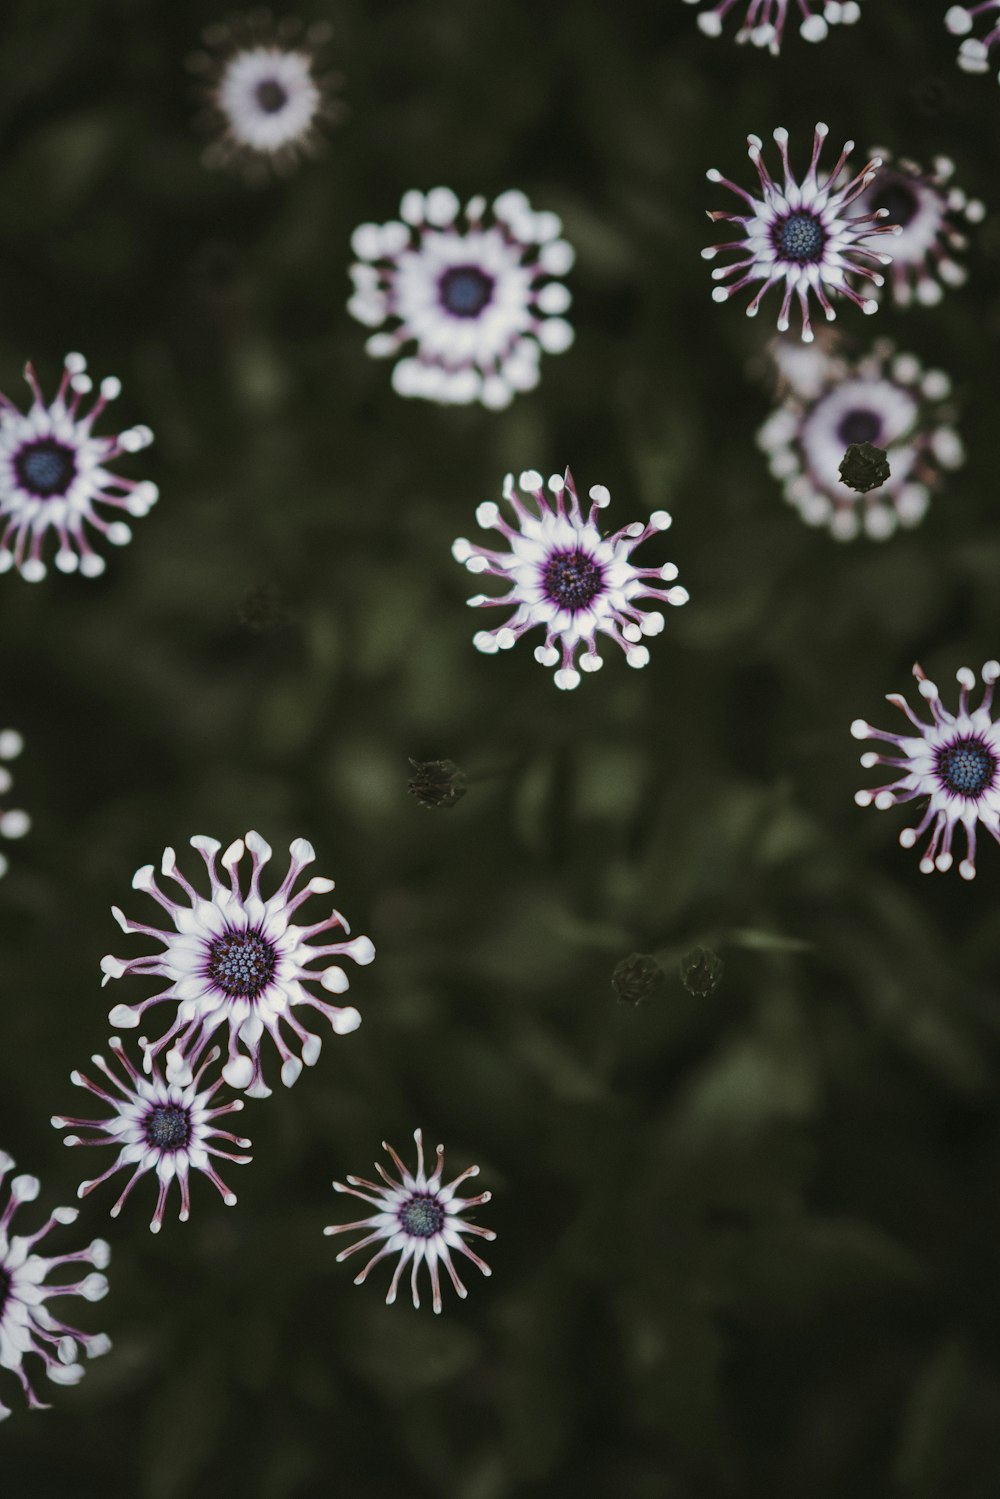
{"points": [[974, 52], [13, 822], [764, 20], [932, 215]]}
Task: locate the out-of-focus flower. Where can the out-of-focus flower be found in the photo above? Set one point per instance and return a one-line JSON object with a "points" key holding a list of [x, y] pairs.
{"points": [[13, 822], [158, 1126], [885, 399], [468, 297], [53, 475], [637, 978], [416, 1218], [932, 215], [801, 235], [567, 578], [764, 20], [26, 1324], [953, 762], [974, 52], [235, 959], [266, 90], [437, 783]]}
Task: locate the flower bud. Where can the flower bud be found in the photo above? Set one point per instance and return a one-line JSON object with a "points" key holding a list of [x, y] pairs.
{"points": [[437, 783], [864, 467], [636, 978], [701, 970]]}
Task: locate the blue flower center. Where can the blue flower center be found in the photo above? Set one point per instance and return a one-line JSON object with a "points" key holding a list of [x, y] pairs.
{"points": [[421, 1216], [241, 963], [966, 767], [860, 425], [465, 290], [168, 1126], [572, 579], [271, 96], [45, 468], [801, 238]]}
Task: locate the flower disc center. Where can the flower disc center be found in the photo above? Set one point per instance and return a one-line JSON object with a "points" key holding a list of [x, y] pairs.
{"points": [[860, 425], [465, 290], [900, 199], [241, 963], [572, 579], [46, 467], [800, 237], [271, 95], [421, 1216], [168, 1126], [966, 767]]}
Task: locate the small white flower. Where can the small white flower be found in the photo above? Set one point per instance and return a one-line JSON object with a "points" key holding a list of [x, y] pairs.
{"points": [[974, 52], [567, 578], [27, 1327], [416, 1218], [468, 297], [764, 24], [13, 822], [236, 960], [953, 762]]}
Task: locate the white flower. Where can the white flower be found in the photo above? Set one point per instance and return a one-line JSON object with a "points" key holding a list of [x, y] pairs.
{"points": [[13, 822], [954, 762], [565, 577], [53, 475], [417, 1218], [932, 216], [467, 297], [27, 1327], [236, 960], [974, 52], [764, 24]]}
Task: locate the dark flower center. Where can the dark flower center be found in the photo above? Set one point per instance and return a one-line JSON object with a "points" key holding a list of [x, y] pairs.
{"points": [[241, 963], [45, 467], [573, 579], [271, 96], [465, 290], [801, 238], [168, 1126], [900, 199], [966, 767], [421, 1217], [860, 425]]}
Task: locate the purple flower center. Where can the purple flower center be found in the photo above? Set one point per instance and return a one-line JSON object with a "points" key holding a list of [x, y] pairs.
{"points": [[572, 579], [860, 425], [966, 767], [421, 1216], [465, 290], [800, 237], [45, 468], [241, 963], [899, 198], [168, 1126], [271, 96]]}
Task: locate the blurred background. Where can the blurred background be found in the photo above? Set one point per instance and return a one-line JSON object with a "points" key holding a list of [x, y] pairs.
{"points": [[747, 1240]]}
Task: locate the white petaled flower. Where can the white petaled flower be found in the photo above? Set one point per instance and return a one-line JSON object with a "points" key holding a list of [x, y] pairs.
{"points": [[764, 20], [27, 1327], [805, 236], [417, 1218], [463, 300], [932, 215], [266, 90], [567, 578], [974, 52], [158, 1126], [54, 475], [236, 959], [953, 762], [886, 399], [13, 822]]}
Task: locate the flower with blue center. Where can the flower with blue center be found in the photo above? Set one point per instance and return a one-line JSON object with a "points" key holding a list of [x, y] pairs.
{"points": [[53, 476], [565, 577], [27, 1327], [13, 822], [464, 300], [158, 1126], [764, 21], [236, 960], [952, 763], [803, 236], [974, 52], [417, 1218]]}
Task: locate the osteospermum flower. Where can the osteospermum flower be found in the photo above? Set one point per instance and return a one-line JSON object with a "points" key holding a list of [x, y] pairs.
{"points": [[764, 20], [416, 1218], [932, 216], [954, 762], [801, 235], [26, 1324], [567, 578], [53, 476], [236, 959], [468, 297], [267, 91], [886, 399], [974, 52], [158, 1126], [13, 822]]}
